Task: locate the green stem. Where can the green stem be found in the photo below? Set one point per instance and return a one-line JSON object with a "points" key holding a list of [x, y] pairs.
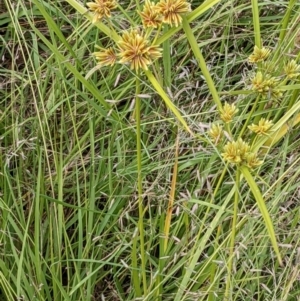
{"points": [[197, 52], [139, 183], [260, 109], [228, 129], [167, 60], [256, 24], [249, 116], [156, 35], [285, 21], [134, 263], [293, 98], [138, 5], [213, 269], [283, 30], [233, 232]]}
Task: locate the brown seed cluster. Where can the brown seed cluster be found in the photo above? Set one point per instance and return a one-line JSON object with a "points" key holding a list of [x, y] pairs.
{"points": [[134, 48], [101, 9]]}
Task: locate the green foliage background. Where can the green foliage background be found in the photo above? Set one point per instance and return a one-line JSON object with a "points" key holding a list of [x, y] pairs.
{"points": [[69, 202]]}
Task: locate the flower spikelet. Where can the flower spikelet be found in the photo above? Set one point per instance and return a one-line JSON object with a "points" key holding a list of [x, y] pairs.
{"points": [[172, 11], [267, 86], [252, 161], [150, 15], [262, 128], [135, 50], [227, 112], [101, 8], [243, 147], [292, 69], [106, 57], [258, 82], [259, 55], [236, 151], [216, 133]]}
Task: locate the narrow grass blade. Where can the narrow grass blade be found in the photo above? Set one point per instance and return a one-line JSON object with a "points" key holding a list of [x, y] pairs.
{"points": [[140, 183], [167, 61], [134, 264], [282, 131], [200, 246], [167, 100], [171, 197], [263, 209], [197, 52], [63, 60], [228, 290], [286, 20], [54, 26]]}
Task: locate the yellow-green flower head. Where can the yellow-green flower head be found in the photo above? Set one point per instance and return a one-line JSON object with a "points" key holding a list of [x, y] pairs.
{"points": [[292, 69], [227, 112], [259, 55], [101, 8], [262, 128], [106, 57], [216, 133], [243, 147], [258, 82], [236, 151], [252, 161], [136, 51], [267, 86], [172, 10], [150, 15]]}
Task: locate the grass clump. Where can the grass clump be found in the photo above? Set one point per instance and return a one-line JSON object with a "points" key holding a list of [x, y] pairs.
{"points": [[149, 150]]}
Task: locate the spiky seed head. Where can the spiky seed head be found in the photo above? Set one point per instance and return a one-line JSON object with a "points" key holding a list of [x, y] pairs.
{"points": [[235, 151], [265, 85], [262, 128], [136, 51], [150, 15], [252, 160], [259, 54], [101, 9], [172, 11], [216, 133], [292, 69], [106, 57], [228, 111]]}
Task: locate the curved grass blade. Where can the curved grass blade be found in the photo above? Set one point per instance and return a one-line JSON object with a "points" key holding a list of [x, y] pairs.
{"points": [[263, 209], [167, 100]]}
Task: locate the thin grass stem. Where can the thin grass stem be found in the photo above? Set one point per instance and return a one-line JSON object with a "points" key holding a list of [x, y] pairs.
{"points": [[246, 123], [139, 184], [167, 60], [232, 239], [256, 23]]}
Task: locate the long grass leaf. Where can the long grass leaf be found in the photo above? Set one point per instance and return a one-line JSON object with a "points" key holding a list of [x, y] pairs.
{"points": [[263, 209]]}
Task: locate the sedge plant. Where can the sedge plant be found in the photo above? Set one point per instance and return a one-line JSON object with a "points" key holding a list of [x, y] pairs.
{"points": [[149, 150]]}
